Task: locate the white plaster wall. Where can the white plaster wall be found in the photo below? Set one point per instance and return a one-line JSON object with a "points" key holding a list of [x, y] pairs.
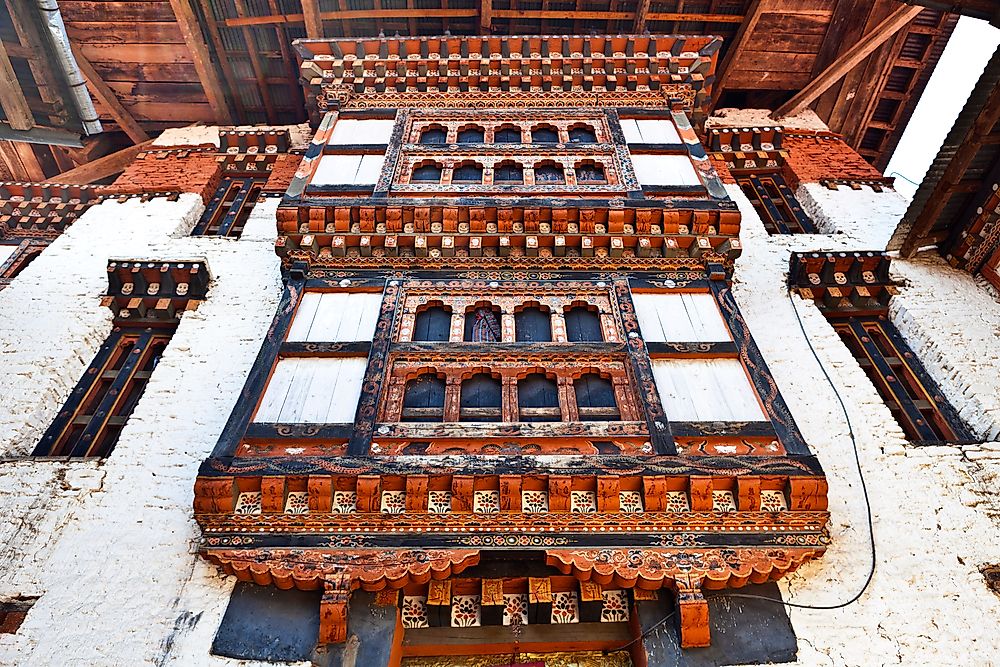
{"points": [[934, 509], [208, 135], [109, 545]]}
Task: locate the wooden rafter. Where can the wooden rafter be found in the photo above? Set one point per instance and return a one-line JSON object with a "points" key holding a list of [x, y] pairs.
{"points": [[191, 31], [313, 20], [850, 59], [15, 106], [641, 14], [108, 99], [30, 36], [102, 167], [255, 63], [738, 46], [224, 64]]}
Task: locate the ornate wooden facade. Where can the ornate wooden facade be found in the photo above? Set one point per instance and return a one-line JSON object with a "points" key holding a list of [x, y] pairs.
{"points": [[496, 354]]}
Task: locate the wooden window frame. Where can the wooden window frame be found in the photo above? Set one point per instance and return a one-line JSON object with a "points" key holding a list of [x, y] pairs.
{"points": [[117, 376], [780, 215], [230, 207]]}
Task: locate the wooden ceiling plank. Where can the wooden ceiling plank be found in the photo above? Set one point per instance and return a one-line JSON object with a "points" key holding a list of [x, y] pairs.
{"points": [[20, 160], [641, 14], [314, 22], [102, 167], [224, 64], [109, 100], [705, 18], [31, 38], [191, 30], [848, 61], [738, 46], [255, 63], [15, 106]]}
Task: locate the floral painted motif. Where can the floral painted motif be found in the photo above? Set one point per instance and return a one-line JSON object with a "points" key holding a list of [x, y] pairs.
{"points": [[439, 502], [414, 611], [533, 502], [465, 611], [615, 609], [723, 501], [248, 502], [486, 502], [677, 501], [772, 501], [583, 501], [565, 608], [393, 502], [630, 502], [297, 502], [515, 608], [345, 502]]}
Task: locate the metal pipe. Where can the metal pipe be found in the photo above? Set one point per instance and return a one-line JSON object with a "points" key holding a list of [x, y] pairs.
{"points": [[80, 96]]}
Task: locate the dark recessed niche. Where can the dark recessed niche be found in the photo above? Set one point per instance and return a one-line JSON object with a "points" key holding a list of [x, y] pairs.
{"points": [[265, 623]]}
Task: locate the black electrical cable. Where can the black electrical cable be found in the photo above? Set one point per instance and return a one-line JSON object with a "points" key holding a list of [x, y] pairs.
{"points": [[864, 488]]}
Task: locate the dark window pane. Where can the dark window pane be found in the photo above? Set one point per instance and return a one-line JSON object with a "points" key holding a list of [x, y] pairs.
{"points": [[507, 135], [472, 135], [538, 399], [433, 136], [468, 173], [532, 325], [423, 400], [428, 173], [590, 173], [508, 173], [582, 135], [481, 398], [583, 325], [544, 135], [595, 398], [432, 325]]}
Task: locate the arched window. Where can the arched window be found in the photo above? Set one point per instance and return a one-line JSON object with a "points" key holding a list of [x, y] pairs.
{"points": [[481, 399], [471, 135], [583, 325], [532, 325], [428, 173], [582, 134], [423, 399], [549, 173], [434, 135], [432, 324], [595, 398], [508, 172], [590, 172], [544, 134], [507, 134], [482, 325], [538, 399], [469, 172]]}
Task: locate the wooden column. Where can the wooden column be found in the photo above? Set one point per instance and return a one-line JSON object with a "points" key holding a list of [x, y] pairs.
{"points": [[693, 610]]}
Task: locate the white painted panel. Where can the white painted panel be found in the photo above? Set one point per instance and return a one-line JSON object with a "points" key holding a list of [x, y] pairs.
{"points": [[326, 326], [319, 376], [353, 310], [372, 304], [298, 392], [6, 251], [277, 390], [659, 131], [371, 167], [370, 131], [336, 170], [664, 170], [344, 403], [679, 318], [304, 316], [631, 131], [706, 390]]}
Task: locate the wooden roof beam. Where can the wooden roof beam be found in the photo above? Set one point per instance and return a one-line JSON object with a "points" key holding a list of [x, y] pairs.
{"points": [[108, 99], [314, 22], [12, 99], [988, 10], [191, 31], [739, 45], [485, 16], [850, 59], [102, 167], [641, 14]]}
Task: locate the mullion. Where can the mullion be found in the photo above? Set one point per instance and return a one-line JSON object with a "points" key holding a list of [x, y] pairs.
{"points": [[777, 220], [236, 207], [99, 420], [908, 411], [793, 206]]}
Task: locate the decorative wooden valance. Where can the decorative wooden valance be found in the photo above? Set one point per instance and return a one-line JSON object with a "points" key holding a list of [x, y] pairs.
{"points": [[849, 283], [154, 292], [254, 141]]}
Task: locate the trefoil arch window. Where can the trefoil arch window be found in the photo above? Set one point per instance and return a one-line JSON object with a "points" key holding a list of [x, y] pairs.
{"points": [[582, 134], [471, 135], [481, 400], [595, 398], [427, 173], [508, 171], [538, 399], [467, 172], [544, 134], [432, 324], [549, 172], [532, 324], [590, 172], [434, 134], [423, 399], [507, 134], [482, 324], [583, 324]]}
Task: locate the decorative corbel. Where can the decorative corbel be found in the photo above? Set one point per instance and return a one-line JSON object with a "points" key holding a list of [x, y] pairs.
{"points": [[692, 608], [333, 608]]}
